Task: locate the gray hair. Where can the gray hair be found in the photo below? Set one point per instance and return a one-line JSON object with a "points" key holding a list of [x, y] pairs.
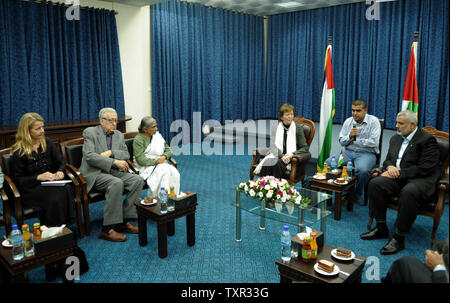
{"points": [[409, 115], [147, 121], [103, 111]]}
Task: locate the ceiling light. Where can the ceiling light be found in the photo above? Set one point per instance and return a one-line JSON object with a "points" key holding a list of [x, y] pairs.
{"points": [[289, 4]]}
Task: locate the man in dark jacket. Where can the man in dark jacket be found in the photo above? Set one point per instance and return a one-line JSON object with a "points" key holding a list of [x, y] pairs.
{"points": [[411, 170], [411, 270]]}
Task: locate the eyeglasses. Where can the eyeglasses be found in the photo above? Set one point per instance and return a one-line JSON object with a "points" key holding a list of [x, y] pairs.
{"points": [[110, 120]]}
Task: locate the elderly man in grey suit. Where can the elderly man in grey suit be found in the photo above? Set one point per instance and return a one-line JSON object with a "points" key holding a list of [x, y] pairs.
{"points": [[105, 168]]}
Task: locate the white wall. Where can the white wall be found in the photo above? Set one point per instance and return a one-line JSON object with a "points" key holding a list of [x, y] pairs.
{"points": [[133, 27]]}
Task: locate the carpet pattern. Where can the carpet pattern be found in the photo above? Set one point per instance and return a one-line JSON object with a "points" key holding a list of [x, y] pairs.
{"points": [[216, 257]]}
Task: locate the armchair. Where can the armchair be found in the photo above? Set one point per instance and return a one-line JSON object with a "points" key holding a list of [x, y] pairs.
{"points": [[298, 162], [14, 206], [435, 206]]}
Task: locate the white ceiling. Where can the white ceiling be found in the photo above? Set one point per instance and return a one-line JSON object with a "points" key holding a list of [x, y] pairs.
{"points": [[254, 7]]}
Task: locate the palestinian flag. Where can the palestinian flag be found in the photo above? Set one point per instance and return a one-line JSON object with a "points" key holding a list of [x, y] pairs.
{"points": [[410, 93], [341, 160], [326, 112]]}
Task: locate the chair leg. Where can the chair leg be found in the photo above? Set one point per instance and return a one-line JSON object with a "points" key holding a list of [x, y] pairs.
{"points": [[369, 224], [365, 196], [435, 227], [87, 219], [79, 220]]}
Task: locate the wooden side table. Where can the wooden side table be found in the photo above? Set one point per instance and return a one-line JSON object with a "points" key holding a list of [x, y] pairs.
{"points": [[14, 271], [297, 270], [166, 222], [324, 185]]}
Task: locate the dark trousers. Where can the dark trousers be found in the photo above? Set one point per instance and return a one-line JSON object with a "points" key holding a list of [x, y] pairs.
{"points": [[274, 167], [382, 189]]}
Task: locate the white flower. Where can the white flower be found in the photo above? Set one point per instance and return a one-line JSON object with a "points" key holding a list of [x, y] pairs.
{"points": [[261, 194], [267, 187], [283, 199], [298, 199], [269, 194], [278, 197], [252, 192], [241, 185], [246, 188]]}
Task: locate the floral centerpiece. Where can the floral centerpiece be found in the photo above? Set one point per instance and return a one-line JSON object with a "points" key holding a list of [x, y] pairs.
{"points": [[271, 189]]}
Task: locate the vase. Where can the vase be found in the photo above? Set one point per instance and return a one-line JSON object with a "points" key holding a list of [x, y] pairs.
{"points": [[290, 207], [278, 206]]}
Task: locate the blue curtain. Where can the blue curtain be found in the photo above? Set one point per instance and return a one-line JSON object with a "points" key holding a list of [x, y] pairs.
{"points": [[64, 70], [205, 60], [370, 59]]}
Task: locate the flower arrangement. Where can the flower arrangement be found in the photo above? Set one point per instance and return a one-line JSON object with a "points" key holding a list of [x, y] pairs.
{"points": [[271, 189]]}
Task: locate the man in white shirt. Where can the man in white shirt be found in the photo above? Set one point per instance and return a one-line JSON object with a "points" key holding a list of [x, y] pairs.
{"points": [[359, 138]]}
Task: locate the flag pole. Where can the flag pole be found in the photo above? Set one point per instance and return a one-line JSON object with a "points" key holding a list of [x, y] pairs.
{"points": [[416, 36]]}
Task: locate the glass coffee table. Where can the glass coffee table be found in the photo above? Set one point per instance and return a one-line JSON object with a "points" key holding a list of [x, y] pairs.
{"points": [[290, 213]]}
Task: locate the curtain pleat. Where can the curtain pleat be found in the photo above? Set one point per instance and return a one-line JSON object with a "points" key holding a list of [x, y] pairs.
{"points": [[64, 70]]}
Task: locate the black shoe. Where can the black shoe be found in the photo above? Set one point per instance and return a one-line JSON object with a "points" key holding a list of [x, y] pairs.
{"points": [[392, 247], [375, 233]]}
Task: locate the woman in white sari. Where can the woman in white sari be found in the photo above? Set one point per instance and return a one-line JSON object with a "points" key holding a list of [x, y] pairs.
{"points": [[286, 139], [151, 153]]}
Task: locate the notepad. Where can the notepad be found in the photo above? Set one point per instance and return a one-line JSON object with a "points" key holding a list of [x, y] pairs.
{"points": [[56, 183]]}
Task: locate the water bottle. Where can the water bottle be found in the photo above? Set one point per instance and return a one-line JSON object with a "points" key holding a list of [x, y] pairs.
{"points": [[349, 169], [17, 243], [286, 244], [333, 163], [163, 200]]}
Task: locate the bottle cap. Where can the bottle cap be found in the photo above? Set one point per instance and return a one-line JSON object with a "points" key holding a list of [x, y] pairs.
{"points": [[162, 188], [313, 234], [307, 238], [286, 227], [14, 226]]}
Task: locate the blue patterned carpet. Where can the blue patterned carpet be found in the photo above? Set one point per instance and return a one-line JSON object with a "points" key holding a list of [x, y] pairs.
{"points": [[216, 257]]}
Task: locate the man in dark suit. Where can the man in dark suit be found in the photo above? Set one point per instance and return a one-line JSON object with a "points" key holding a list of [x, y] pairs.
{"points": [[411, 170], [105, 168], [411, 270]]}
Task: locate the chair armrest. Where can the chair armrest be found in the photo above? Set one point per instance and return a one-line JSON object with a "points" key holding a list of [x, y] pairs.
{"points": [[375, 172], [75, 172], [6, 212], [262, 151], [12, 188], [444, 181], [133, 167], [4, 196], [79, 176], [75, 182], [301, 158], [174, 163]]}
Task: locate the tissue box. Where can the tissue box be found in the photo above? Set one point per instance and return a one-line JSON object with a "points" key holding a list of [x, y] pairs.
{"points": [[184, 201], [55, 242], [299, 243], [334, 175]]}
